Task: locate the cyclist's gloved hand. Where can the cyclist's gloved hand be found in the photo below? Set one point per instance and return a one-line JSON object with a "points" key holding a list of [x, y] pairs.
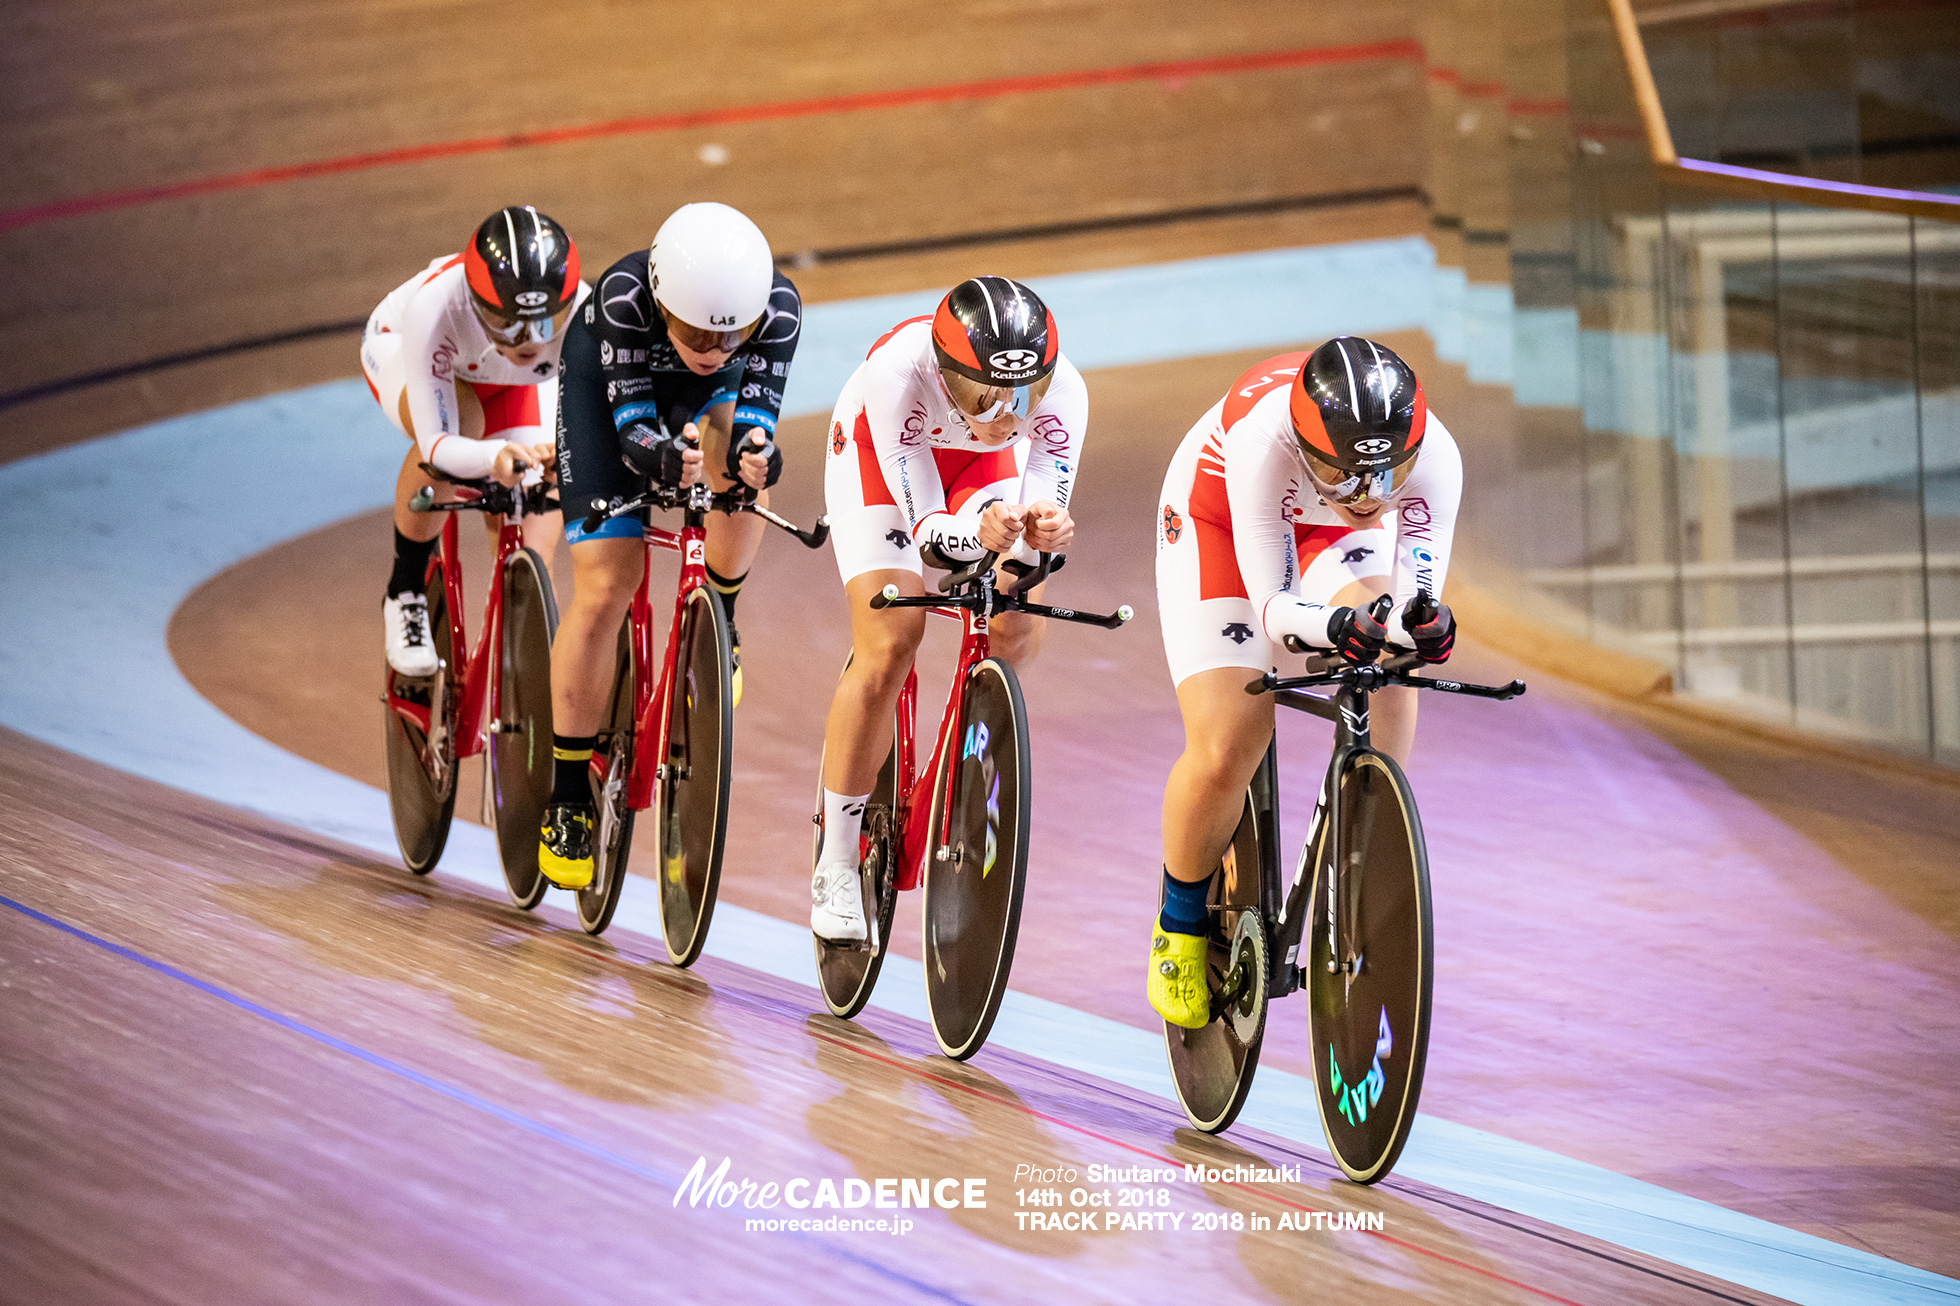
{"points": [[652, 452], [1357, 634], [1431, 625], [757, 443]]}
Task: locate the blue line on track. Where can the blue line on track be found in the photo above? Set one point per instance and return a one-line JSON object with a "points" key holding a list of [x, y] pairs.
{"points": [[450, 1091]]}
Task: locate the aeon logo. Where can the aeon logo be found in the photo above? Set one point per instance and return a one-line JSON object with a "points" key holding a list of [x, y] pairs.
{"points": [[1357, 1099], [1371, 447]]}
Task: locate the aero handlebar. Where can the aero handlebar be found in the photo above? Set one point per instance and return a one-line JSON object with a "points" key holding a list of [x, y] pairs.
{"points": [[972, 586]]}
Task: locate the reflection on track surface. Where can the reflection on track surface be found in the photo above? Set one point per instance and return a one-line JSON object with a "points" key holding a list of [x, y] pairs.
{"points": [[571, 1047], [354, 1082]]}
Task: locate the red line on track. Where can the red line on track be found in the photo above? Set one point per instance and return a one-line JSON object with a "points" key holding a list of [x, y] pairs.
{"points": [[994, 88]]}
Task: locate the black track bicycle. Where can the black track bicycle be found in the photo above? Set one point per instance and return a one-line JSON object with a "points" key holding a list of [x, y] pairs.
{"points": [[1353, 928]]}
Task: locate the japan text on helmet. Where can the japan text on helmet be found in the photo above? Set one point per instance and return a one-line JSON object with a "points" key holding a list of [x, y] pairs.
{"points": [[710, 269], [1359, 414], [996, 344], [522, 271]]}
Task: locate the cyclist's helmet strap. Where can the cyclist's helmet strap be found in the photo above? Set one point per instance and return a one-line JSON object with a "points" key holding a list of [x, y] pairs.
{"points": [[1358, 406], [521, 264], [996, 332]]}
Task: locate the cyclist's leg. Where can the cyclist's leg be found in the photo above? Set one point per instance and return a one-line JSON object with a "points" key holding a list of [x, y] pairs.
{"points": [[1214, 645], [606, 570]]}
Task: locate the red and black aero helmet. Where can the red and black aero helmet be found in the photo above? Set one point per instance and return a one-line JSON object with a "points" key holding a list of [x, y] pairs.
{"points": [[1357, 409], [521, 266], [995, 332]]}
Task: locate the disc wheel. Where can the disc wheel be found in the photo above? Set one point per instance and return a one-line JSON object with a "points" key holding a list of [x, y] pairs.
{"points": [[977, 862], [422, 761], [520, 745], [690, 805], [1369, 985], [1213, 1066], [612, 819], [847, 972]]}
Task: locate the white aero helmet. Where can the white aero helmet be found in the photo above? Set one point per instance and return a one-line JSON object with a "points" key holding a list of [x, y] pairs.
{"points": [[711, 268]]}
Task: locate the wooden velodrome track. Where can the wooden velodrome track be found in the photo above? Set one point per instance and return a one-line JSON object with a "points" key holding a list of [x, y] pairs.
{"points": [[1725, 967]]}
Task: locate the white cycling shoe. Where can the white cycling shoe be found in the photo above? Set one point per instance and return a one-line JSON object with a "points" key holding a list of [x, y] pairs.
{"points": [[837, 904], [410, 650]]}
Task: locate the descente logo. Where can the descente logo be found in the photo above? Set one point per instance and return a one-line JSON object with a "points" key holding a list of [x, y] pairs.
{"points": [[716, 1189]]}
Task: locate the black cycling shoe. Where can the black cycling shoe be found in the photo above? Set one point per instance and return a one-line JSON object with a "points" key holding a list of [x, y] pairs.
{"points": [[565, 845]]}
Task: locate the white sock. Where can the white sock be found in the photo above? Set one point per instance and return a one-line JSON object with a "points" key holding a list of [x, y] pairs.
{"points": [[843, 822]]}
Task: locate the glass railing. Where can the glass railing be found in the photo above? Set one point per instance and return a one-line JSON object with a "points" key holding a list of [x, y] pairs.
{"points": [[1760, 487]]}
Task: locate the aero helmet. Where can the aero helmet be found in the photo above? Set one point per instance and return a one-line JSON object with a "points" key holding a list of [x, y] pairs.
{"points": [[1359, 414], [710, 269], [522, 271], [992, 335]]}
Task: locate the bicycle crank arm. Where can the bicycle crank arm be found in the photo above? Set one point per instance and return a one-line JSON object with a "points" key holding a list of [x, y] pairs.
{"points": [[1110, 621]]}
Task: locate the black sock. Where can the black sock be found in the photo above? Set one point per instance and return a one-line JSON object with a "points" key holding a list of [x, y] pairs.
{"points": [[571, 764], [730, 590], [411, 565], [1184, 906]]}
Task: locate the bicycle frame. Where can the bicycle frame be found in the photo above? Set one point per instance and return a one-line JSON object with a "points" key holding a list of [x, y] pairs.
{"points": [[691, 543], [1347, 708], [916, 791], [482, 674]]}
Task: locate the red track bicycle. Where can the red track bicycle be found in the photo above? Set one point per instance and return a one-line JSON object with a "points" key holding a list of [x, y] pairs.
{"points": [[961, 826], [666, 741], [433, 722]]}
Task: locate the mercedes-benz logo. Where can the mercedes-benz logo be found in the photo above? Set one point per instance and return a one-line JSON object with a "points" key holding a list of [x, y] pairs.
{"points": [[622, 299]]}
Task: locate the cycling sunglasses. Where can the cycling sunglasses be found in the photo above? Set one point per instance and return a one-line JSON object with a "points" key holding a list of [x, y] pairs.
{"points": [[987, 403], [702, 340], [513, 331], [1348, 488]]}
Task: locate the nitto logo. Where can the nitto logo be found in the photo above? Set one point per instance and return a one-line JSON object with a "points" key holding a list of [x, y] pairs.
{"points": [[531, 298], [1014, 360], [1374, 446]]}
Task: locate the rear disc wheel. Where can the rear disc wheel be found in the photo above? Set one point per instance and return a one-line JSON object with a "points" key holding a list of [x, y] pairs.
{"points": [[422, 759], [612, 819], [847, 972]]}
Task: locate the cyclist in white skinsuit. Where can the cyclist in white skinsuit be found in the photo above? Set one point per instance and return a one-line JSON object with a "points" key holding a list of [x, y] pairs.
{"points": [[959, 434], [463, 359], [1318, 483]]}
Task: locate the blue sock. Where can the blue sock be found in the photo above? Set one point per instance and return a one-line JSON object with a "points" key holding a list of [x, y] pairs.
{"points": [[1184, 906]]}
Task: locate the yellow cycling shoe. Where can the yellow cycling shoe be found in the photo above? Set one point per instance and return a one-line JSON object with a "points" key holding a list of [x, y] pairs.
{"points": [[1177, 979], [565, 845]]}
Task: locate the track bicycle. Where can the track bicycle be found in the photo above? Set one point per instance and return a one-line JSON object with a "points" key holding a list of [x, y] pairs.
{"points": [[1362, 884], [435, 721], [961, 825], [666, 741]]}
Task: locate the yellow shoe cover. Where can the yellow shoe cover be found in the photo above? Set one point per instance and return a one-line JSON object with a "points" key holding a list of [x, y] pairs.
{"points": [[1177, 979], [565, 848]]}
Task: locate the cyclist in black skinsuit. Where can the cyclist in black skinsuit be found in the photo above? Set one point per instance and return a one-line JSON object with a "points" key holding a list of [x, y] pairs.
{"points": [[673, 369]]}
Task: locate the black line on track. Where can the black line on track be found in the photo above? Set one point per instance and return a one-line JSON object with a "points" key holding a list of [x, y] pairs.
{"points": [[48, 389], [1114, 222], [802, 258]]}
